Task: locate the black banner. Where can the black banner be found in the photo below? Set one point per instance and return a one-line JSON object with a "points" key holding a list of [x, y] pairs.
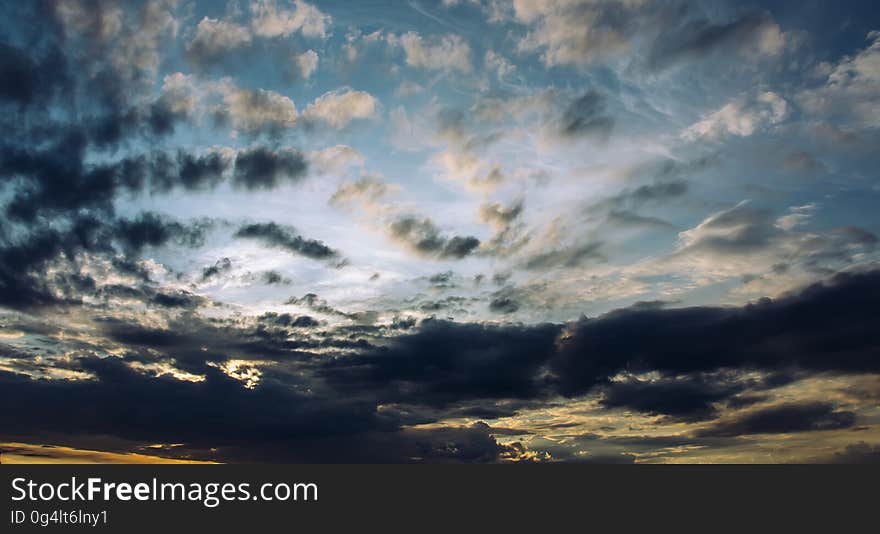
{"points": [[456, 498]]}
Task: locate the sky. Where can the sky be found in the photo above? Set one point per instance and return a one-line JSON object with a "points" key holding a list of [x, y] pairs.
{"points": [[612, 231]]}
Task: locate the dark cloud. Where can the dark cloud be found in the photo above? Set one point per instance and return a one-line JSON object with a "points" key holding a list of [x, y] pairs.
{"points": [[57, 179], [442, 367], [857, 453], [179, 299], [507, 299], [275, 422], [319, 305], [826, 327], [568, 257], [27, 79], [423, 236], [686, 398], [273, 278], [452, 303], [445, 362], [691, 38], [287, 320], [25, 282], [586, 116], [784, 418], [150, 229], [442, 280], [315, 303], [222, 265], [623, 208], [643, 194], [625, 218], [261, 168], [285, 237], [192, 172], [502, 304]]}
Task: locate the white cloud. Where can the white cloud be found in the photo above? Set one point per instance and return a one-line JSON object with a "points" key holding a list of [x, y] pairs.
{"points": [[573, 31], [307, 63], [135, 38], [407, 89], [741, 117], [215, 37], [269, 20], [769, 254], [852, 88], [577, 32], [449, 52], [251, 110], [498, 64], [180, 93], [796, 216], [340, 107], [335, 159]]}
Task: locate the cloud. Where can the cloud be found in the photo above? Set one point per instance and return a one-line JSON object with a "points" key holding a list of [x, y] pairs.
{"points": [[316, 304], [585, 116], [857, 453], [367, 190], [222, 265], [746, 240], [439, 365], [448, 52], [644, 194], [28, 80], [337, 159], [783, 418], [421, 235], [498, 64], [110, 306], [417, 234], [566, 257], [851, 92], [500, 216], [803, 162], [445, 362], [258, 110], [261, 168], [741, 117], [286, 238], [825, 327], [214, 39], [150, 229], [43, 267], [307, 63], [273, 278], [502, 304], [338, 108], [192, 172], [285, 319], [269, 20], [576, 32], [128, 42], [696, 38], [507, 235], [255, 110], [689, 398], [580, 32]]}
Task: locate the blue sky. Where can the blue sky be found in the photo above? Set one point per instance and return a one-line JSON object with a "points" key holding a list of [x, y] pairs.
{"points": [[482, 163]]}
